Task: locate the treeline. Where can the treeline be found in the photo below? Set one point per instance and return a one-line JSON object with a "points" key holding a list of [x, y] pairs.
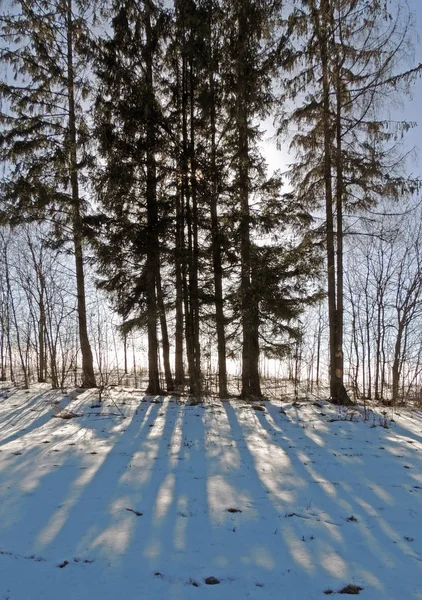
{"points": [[384, 307], [383, 320], [39, 317], [383, 312], [135, 126]]}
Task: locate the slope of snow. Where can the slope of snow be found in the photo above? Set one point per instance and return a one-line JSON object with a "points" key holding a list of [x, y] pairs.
{"points": [[132, 499]]}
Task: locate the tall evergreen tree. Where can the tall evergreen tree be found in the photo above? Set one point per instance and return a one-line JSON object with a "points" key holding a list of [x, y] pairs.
{"points": [[249, 33], [190, 65], [344, 58], [186, 12], [44, 139], [216, 173], [127, 115]]}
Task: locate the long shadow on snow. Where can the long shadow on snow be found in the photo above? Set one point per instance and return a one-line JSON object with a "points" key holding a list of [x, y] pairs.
{"points": [[175, 527], [333, 502], [113, 489], [23, 414], [62, 491], [207, 470], [265, 526], [32, 484]]}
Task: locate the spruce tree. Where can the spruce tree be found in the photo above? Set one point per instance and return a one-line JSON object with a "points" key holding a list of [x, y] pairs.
{"points": [[188, 63], [343, 63], [127, 116], [216, 173], [44, 139], [249, 29]]}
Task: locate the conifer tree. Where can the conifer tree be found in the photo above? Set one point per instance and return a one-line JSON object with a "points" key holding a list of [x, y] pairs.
{"points": [[213, 99], [344, 59], [186, 12], [249, 34], [44, 139], [190, 68], [128, 113]]}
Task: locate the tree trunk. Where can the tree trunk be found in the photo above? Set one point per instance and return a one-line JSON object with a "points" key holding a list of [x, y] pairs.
{"points": [[41, 339], [341, 394], [11, 304], [254, 377], [319, 336], [10, 351], [7, 318], [187, 263], [250, 346], [4, 326], [355, 343], [335, 293], [216, 248], [164, 335], [194, 249], [187, 222], [179, 372], [378, 345], [88, 377], [152, 262], [41, 325], [51, 344], [368, 349], [2, 353], [125, 354], [395, 371]]}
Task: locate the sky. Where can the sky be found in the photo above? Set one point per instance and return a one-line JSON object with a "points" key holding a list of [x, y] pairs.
{"points": [[411, 109]]}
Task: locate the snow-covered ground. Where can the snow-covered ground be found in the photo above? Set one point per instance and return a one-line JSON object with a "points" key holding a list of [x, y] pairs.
{"points": [[145, 498]]}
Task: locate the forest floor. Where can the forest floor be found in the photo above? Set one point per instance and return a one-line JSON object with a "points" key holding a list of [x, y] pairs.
{"points": [[145, 498]]}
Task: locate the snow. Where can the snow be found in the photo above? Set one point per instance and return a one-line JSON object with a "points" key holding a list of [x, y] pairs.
{"points": [[131, 500]]}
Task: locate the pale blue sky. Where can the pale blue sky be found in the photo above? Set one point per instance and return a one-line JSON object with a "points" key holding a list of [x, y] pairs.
{"points": [[413, 107]]}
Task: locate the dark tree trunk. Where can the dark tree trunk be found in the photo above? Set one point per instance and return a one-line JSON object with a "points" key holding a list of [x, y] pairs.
{"points": [[319, 336], [9, 348], [179, 368], [250, 374], [254, 378], [53, 360], [187, 222], [179, 254], [42, 321], [125, 354], [395, 371], [216, 248], [189, 208], [378, 348], [152, 262], [2, 352], [341, 394], [164, 335], [8, 314], [194, 249], [88, 377], [42, 369], [337, 390]]}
